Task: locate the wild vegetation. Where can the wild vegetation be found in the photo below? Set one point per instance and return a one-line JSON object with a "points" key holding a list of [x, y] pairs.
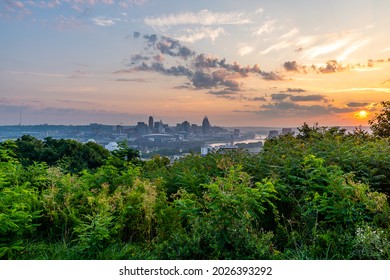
{"points": [[321, 194]]}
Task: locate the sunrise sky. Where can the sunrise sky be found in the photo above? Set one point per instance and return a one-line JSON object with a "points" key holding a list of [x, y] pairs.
{"points": [[241, 63]]}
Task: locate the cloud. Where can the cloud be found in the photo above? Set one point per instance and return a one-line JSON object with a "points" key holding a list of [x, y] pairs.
{"points": [[276, 47], [357, 104], [173, 48], [82, 5], [267, 27], [224, 93], [386, 90], [204, 71], [297, 98], [326, 49], [354, 47], [385, 50], [286, 109], [313, 97], [194, 35], [272, 76], [292, 66], [331, 66], [339, 45], [295, 90], [136, 35], [139, 80], [311, 109], [124, 71], [203, 17], [259, 11], [128, 3], [279, 96], [136, 58], [245, 50], [103, 21], [262, 98], [203, 80], [290, 34]]}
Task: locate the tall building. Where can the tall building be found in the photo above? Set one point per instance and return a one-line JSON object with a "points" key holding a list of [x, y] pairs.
{"points": [[142, 128], [205, 126], [185, 126], [159, 127], [120, 129], [151, 123]]}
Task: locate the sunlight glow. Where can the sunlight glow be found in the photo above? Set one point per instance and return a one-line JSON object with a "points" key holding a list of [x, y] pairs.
{"points": [[361, 114]]}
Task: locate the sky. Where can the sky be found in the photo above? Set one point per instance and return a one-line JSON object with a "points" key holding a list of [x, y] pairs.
{"points": [[241, 63]]}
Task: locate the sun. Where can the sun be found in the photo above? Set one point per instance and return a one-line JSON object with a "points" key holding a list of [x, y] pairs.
{"points": [[361, 114]]}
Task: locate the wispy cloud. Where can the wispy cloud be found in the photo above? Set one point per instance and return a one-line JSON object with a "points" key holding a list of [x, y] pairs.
{"points": [[267, 27], [385, 50], [136, 80], [354, 47], [193, 36], [104, 21], [290, 34], [276, 47], [316, 51], [245, 49], [338, 45], [203, 17], [128, 3], [379, 89]]}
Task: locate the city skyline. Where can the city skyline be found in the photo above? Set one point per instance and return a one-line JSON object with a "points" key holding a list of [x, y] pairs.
{"points": [[246, 63]]}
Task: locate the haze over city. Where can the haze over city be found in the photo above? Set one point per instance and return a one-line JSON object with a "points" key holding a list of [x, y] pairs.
{"points": [[241, 63]]}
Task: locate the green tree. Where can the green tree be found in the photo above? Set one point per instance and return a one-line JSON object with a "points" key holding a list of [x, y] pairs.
{"points": [[380, 124], [225, 222], [124, 155]]}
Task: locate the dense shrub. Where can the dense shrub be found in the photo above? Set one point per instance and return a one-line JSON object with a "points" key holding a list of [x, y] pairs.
{"points": [[322, 194]]}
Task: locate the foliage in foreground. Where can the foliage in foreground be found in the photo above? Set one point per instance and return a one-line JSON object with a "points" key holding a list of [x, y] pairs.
{"points": [[319, 195]]}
